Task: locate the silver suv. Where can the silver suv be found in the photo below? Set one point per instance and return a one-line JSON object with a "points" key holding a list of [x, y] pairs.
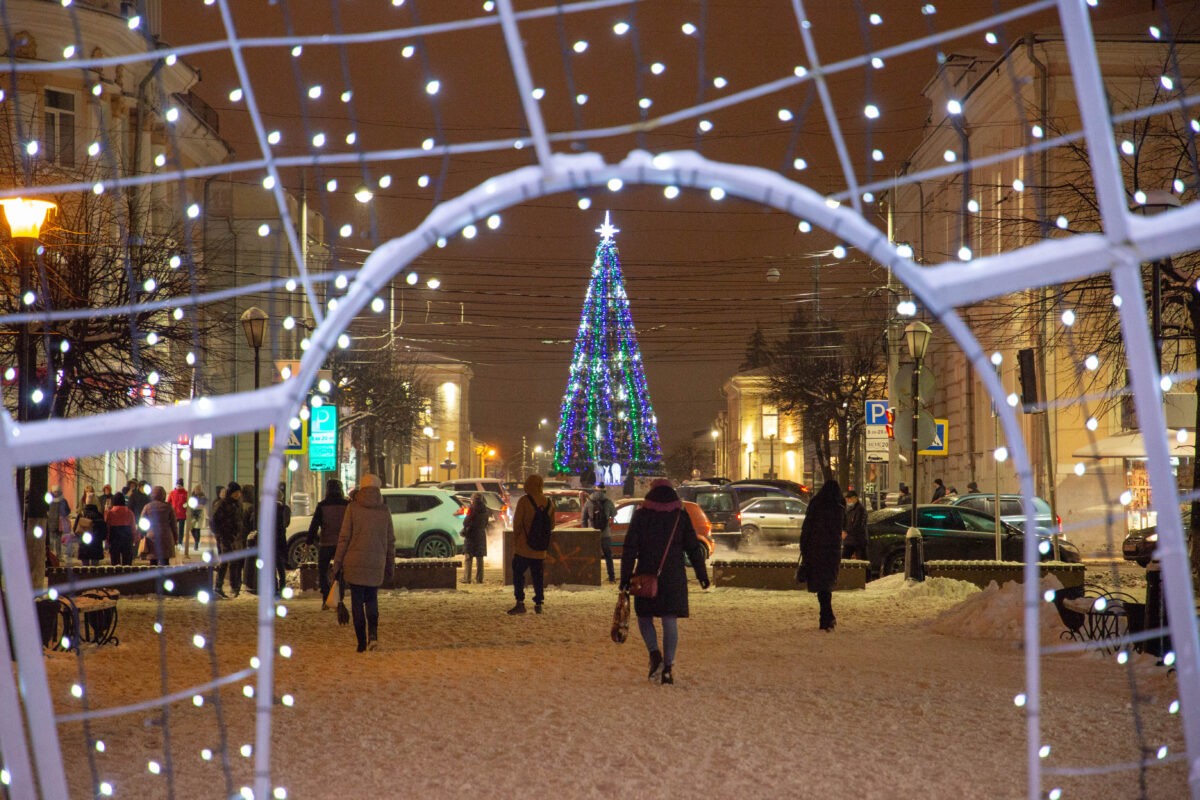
{"points": [[1010, 510]]}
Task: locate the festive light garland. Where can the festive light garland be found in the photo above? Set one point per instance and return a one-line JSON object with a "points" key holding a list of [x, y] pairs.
{"points": [[607, 419]]}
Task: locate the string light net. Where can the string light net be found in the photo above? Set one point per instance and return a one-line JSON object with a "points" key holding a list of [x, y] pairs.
{"points": [[1018, 206]]}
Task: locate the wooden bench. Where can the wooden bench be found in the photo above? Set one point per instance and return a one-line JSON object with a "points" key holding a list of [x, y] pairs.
{"points": [[182, 583], [424, 573], [781, 574]]}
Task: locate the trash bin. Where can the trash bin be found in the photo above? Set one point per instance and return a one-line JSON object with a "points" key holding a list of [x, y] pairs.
{"points": [[301, 504]]}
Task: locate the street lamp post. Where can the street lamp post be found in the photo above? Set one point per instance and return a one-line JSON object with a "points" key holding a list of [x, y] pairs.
{"points": [[25, 218], [537, 459], [449, 464], [254, 325], [427, 470], [716, 467], [917, 336]]}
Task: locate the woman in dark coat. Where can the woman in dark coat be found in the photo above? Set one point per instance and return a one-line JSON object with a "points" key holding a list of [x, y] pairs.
{"points": [[661, 525], [474, 533], [91, 536], [821, 548]]}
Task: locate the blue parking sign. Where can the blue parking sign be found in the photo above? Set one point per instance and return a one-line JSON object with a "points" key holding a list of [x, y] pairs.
{"points": [[877, 412]]}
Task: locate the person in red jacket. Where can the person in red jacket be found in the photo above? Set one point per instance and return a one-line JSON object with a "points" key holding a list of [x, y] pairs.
{"points": [[178, 499]]}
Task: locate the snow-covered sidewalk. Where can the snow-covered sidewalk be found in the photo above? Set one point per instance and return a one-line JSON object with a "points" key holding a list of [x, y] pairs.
{"points": [[464, 701]]}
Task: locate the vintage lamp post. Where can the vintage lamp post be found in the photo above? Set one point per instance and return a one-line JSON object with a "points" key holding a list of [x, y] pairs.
{"points": [[254, 325], [716, 465], [25, 218], [917, 336]]}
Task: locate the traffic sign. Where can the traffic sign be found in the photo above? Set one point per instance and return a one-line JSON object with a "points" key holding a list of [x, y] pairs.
{"points": [[926, 430], [900, 389], [877, 412], [939, 446], [297, 440], [322, 439]]}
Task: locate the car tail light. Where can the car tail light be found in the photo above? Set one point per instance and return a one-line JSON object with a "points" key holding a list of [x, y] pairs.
{"points": [[738, 516], [462, 511], [1058, 522]]}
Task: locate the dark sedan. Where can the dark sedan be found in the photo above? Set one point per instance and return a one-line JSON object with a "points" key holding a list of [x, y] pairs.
{"points": [[949, 532]]}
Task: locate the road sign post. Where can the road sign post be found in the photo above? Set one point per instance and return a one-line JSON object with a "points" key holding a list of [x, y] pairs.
{"points": [[322, 439]]}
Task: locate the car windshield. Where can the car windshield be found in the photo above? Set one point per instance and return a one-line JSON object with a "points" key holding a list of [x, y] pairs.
{"points": [[885, 516]]}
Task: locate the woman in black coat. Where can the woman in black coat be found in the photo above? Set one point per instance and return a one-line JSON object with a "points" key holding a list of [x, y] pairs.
{"points": [[92, 535], [661, 525], [474, 533], [821, 548]]}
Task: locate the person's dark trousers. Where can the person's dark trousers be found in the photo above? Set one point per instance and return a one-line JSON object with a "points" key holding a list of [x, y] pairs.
{"points": [[534, 565], [606, 548], [196, 536], [854, 551], [325, 556], [233, 568], [364, 607], [281, 572], [179, 538], [120, 549], [826, 601]]}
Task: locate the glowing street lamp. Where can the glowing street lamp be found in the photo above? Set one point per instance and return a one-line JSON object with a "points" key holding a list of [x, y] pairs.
{"points": [[254, 325], [917, 336], [25, 218]]}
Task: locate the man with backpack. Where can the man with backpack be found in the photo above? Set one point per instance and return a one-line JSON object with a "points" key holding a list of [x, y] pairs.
{"points": [[533, 521], [598, 512]]}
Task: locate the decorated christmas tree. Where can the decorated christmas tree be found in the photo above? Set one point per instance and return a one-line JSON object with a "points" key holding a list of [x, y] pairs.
{"points": [[608, 424]]}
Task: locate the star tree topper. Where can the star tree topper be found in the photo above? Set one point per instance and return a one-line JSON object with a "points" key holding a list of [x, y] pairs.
{"points": [[607, 230]]}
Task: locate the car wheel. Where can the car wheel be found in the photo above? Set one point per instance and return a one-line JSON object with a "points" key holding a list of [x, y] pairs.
{"points": [[749, 536], [894, 563], [300, 551], [435, 545]]}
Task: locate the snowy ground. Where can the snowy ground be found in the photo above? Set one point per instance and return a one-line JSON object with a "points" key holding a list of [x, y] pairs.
{"points": [[912, 696]]}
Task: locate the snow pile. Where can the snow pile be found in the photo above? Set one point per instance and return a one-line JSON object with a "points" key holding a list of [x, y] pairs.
{"points": [[997, 612]]}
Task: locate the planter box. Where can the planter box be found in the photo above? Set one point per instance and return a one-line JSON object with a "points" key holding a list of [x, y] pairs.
{"points": [[981, 573], [574, 557], [781, 574], [424, 573], [186, 582]]}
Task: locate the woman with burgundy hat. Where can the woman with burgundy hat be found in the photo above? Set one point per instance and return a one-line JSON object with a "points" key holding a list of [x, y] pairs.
{"points": [[658, 536]]}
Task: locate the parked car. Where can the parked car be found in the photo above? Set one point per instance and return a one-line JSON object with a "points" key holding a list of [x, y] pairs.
{"points": [[468, 485], [568, 505], [619, 524], [497, 508], [798, 489], [772, 519], [427, 524], [721, 504], [1140, 545], [1010, 510], [949, 532]]}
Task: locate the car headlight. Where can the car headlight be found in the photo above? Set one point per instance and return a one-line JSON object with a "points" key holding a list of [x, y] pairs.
{"points": [[1153, 537]]}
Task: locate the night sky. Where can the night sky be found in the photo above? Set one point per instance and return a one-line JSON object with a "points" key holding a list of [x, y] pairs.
{"points": [[695, 268]]}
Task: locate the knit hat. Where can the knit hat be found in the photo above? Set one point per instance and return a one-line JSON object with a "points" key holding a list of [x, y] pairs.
{"points": [[662, 496], [232, 487], [368, 480]]}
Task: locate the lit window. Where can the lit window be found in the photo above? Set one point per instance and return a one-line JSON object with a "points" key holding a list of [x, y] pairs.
{"points": [[58, 130]]}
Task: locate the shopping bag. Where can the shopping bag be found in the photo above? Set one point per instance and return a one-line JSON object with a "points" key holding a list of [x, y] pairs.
{"points": [[620, 622], [335, 592]]}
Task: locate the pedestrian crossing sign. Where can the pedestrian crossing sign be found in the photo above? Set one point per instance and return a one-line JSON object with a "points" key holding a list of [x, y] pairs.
{"points": [[939, 446], [297, 440]]}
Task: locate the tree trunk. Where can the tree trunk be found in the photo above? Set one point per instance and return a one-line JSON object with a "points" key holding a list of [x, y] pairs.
{"points": [[845, 453], [1193, 305]]}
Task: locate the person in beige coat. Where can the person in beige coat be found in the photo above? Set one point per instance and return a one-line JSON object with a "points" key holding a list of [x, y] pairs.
{"points": [[366, 553], [525, 557]]}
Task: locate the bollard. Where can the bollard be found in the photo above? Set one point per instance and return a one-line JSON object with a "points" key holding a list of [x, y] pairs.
{"points": [[914, 555], [1156, 611]]}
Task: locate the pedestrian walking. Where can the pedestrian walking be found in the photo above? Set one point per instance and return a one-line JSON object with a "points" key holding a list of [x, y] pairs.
{"points": [[197, 507], [136, 497], [58, 522], [229, 528], [904, 498], [160, 526], [104, 502], [366, 554], [598, 512], [474, 534], [324, 529], [658, 536], [533, 506], [120, 522], [939, 490], [178, 499], [820, 548], [283, 518], [854, 528], [972, 487]]}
